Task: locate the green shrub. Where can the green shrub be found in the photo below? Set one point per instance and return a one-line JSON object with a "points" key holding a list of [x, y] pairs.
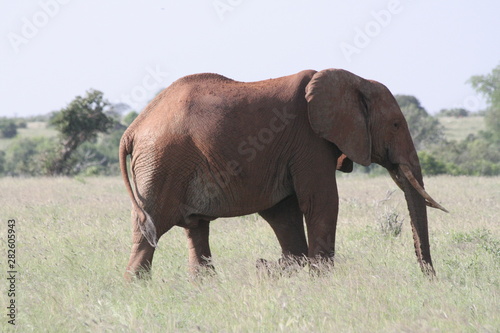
{"points": [[390, 224], [456, 112], [8, 128], [29, 156], [476, 155], [430, 165]]}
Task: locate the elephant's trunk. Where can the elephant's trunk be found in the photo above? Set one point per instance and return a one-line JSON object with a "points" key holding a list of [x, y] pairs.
{"points": [[417, 198]]}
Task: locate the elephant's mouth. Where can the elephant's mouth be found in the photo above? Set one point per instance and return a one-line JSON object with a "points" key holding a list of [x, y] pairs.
{"points": [[403, 170]]}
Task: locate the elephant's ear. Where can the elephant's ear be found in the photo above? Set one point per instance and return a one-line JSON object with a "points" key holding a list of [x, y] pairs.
{"points": [[338, 112]]}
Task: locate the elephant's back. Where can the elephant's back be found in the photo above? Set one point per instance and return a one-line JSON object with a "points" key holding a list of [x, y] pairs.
{"points": [[208, 107], [209, 87]]}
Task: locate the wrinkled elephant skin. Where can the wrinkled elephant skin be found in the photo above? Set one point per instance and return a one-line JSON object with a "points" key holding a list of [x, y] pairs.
{"points": [[209, 147]]}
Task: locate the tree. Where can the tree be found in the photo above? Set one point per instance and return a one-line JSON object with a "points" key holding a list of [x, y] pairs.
{"points": [[79, 122], [130, 117], [455, 112], [424, 129], [8, 128], [489, 86], [430, 165], [408, 100]]}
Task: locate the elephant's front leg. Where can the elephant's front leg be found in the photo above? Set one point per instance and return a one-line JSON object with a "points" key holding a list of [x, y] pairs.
{"points": [[318, 200], [199, 248], [321, 221]]}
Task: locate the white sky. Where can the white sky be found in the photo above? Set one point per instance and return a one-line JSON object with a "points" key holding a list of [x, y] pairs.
{"points": [[53, 50]]}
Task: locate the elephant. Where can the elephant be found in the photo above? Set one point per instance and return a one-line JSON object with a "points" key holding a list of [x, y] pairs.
{"points": [[208, 146]]}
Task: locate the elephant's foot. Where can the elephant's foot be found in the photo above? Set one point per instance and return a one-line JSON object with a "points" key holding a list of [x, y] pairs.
{"points": [[286, 266], [142, 273], [203, 269], [320, 265], [266, 268]]}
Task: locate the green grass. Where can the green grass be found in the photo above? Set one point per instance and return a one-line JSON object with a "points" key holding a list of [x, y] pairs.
{"points": [[37, 128], [459, 128], [74, 240]]}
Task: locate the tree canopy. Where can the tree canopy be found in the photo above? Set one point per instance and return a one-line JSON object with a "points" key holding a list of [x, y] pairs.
{"points": [[77, 123], [454, 112], [424, 129], [489, 86]]}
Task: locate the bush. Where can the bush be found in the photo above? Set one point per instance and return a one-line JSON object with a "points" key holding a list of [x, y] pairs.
{"points": [[29, 156], [430, 165], [474, 156], [390, 224], [456, 112], [8, 128]]}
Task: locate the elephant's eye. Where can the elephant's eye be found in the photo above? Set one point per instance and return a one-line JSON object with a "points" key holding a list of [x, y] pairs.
{"points": [[395, 125]]}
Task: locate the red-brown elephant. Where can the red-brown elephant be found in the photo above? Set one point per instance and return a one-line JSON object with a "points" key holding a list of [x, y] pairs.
{"points": [[209, 147]]}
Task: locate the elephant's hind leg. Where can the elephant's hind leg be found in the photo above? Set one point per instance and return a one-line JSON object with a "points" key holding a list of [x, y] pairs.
{"points": [[199, 248], [286, 219], [141, 256]]}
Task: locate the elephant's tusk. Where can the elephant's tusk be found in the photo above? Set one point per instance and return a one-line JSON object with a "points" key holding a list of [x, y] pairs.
{"points": [[428, 199], [397, 180]]}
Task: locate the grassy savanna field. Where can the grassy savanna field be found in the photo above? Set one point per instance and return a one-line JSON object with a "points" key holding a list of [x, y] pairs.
{"points": [[73, 242], [459, 128]]}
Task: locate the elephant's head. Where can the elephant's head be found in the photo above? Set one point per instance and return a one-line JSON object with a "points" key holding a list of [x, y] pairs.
{"points": [[363, 119]]}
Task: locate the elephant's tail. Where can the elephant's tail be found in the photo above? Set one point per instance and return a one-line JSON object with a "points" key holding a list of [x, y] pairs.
{"points": [[145, 221]]}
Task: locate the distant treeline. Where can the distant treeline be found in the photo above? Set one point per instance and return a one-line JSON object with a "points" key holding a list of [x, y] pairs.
{"points": [[89, 131]]}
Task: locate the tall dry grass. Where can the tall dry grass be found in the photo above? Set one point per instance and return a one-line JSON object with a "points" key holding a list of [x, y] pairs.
{"points": [[74, 240]]}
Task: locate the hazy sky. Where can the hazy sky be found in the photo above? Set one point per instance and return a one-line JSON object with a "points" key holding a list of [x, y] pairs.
{"points": [[53, 50]]}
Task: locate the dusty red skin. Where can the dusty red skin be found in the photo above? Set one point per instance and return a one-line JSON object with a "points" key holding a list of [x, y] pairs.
{"points": [[209, 147]]}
